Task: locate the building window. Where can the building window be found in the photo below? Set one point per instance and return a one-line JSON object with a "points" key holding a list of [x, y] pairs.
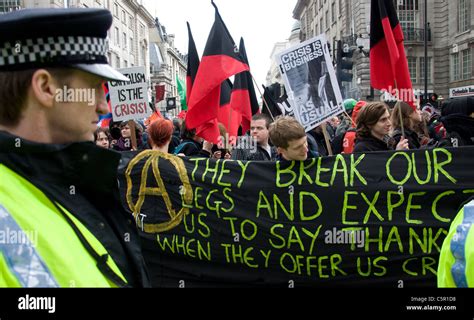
{"points": [[412, 68], [327, 19], [143, 58], [7, 6], [455, 76], [466, 64], [340, 7], [408, 15], [407, 5], [321, 25], [124, 17], [130, 22], [124, 39], [142, 30], [333, 12], [461, 65], [116, 9], [117, 36], [131, 45], [422, 70], [125, 63], [463, 15]]}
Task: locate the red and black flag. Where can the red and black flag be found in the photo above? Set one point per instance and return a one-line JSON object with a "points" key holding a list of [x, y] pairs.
{"points": [[193, 64], [220, 61], [244, 100], [386, 41], [224, 116], [227, 116]]}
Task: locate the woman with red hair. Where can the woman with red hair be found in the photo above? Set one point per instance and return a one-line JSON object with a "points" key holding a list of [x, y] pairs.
{"points": [[159, 134]]}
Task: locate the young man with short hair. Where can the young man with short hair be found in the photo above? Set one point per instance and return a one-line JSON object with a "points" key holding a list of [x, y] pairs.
{"points": [[289, 137], [259, 132]]}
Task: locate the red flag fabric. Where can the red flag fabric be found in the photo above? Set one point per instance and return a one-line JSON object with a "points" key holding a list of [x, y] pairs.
{"points": [[244, 99], [160, 93], [220, 61], [229, 117], [386, 41], [154, 116], [193, 64]]}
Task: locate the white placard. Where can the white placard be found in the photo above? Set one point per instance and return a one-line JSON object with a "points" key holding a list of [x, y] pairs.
{"points": [[129, 100], [311, 82]]}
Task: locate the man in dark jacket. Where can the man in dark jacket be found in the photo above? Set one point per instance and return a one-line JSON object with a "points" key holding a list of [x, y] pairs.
{"points": [[259, 132]]}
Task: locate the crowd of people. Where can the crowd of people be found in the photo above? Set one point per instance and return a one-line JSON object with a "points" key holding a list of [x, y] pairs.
{"points": [[49, 168], [364, 127]]}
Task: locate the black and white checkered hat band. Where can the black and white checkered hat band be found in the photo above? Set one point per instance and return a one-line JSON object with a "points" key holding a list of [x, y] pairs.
{"points": [[70, 49]]}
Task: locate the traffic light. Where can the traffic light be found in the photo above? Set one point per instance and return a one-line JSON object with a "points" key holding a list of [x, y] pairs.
{"points": [[344, 62]]}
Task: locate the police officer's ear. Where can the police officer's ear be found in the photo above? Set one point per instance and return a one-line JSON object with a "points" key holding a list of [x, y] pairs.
{"points": [[44, 88]]}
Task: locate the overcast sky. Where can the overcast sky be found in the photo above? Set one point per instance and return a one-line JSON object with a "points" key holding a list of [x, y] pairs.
{"points": [[261, 23]]}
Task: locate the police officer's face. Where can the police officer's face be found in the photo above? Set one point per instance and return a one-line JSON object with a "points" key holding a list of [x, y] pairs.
{"points": [[76, 117]]}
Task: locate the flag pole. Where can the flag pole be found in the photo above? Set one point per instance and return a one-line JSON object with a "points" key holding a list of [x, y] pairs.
{"points": [[326, 138], [399, 104], [263, 98], [350, 118]]}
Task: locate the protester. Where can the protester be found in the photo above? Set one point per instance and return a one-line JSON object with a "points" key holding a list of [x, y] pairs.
{"points": [[192, 145], [115, 133], [318, 136], [259, 131], [125, 141], [346, 123], [102, 138], [222, 151], [458, 120], [289, 137], [411, 119], [159, 133], [176, 137], [344, 143], [54, 179], [373, 127]]}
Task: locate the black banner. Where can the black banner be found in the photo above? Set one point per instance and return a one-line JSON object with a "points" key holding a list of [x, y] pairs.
{"points": [[359, 220]]}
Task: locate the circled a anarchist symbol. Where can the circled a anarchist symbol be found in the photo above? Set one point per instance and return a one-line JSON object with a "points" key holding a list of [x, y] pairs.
{"points": [[152, 159]]}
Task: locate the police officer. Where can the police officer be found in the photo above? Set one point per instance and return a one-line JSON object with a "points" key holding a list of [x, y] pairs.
{"points": [[456, 261], [60, 212]]}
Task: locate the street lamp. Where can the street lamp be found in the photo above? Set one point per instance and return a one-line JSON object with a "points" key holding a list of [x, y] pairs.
{"points": [[363, 43]]}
